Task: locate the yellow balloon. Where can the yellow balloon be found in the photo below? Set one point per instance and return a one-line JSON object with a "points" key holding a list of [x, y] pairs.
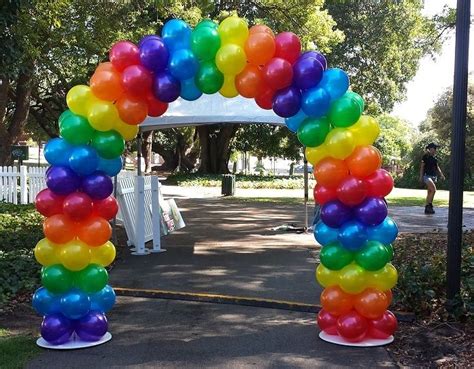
{"points": [[102, 115], [365, 130], [233, 30], [78, 99], [315, 154], [326, 277], [340, 143], [231, 59], [383, 279], [353, 278], [228, 88], [103, 255], [128, 131], [75, 255], [46, 252]]}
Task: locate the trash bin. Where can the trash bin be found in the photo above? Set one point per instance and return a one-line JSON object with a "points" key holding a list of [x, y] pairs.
{"points": [[228, 185]]}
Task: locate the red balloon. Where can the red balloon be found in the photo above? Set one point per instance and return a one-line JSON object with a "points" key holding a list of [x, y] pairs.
{"points": [[278, 73], [77, 206], [384, 326], [324, 194], [106, 208], [123, 54], [352, 326], [48, 203], [136, 80], [265, 99], [379, 184], [351, 191], [288, 46], [327, 322], [156, 107]]}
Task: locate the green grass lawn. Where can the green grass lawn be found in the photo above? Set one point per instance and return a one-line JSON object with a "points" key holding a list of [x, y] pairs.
{"points": [[16, 351]]}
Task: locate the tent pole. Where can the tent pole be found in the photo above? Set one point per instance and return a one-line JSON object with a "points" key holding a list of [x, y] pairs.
{"points": [[305, 192], [139, 153]]}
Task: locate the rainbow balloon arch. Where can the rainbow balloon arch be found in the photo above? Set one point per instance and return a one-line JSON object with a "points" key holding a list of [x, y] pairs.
{"points": [[140, 81]]}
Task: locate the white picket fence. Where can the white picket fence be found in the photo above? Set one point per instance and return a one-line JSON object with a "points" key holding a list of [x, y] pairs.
{"points": [[21, 186]]}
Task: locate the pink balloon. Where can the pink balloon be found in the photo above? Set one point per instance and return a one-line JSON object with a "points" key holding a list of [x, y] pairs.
{"points": [[288, 46], [137, 80], [123, 54], [278, 73]]}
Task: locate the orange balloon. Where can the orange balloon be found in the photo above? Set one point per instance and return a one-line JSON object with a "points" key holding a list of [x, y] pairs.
{"points": [[389, 296], [249, 82], [106, 66], [94, 231], [260, 48], [132, 111], [371, 303], [329, 172], [59, 229], [336, 301], [364, 161], [106, 84], [260, 28]]}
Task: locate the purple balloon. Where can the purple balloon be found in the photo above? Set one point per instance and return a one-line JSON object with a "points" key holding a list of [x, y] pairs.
{"points": [[154, 54], [97, 185], [92, 327], [146, 38], [318, 56], [307, 72], [165, 87], [287, 102], [334, 214], [372, 211], [56, 329], [62, 180]]}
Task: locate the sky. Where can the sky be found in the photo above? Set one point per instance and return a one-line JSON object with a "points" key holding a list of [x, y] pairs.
{"points": [[433, 76]]}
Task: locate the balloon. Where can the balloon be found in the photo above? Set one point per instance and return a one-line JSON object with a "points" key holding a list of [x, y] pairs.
{"points": [[189, 90], [155, 106], [231, 59], [386, 232], [371, 303], [183, 64], [372, 211], [206, 23], [57, 151], [205, 42], [91, 327], [103, 300], [373, 256], [294, 122], [326, 277], [165, 87], [383, 279], [355, 96], [351, 191], [323, 194], [307, 72], [318, 56], [48, 203], [45, 252], [249, 82], [66, 113], [330, 172], [106, 208], [44, 302], [365, 130], [379, 184], [389, 249], [56, 278], [153, 54], [335, 213], [102, 115], [260, 28], [340, 143], [233, 30], [384, 326], [75, 304], [123, 54], [335, 301], [315, 102], [127, 131], [111, 167], [315, 154], [288, 46], [136, 80], [364, 161], [327, 322], [335, 257], [77, 206], [278, 73], [131, 111], [108, 144], [59, 228], [352, 235], [228, 88], [92, 279], [260, 48], [97, 185], [103, 255], [352, 278], [56, 329], [313, 131], [336, 82], [62, 180], [324, 234], [344, 112], [287, 102], [176, 35], [94, 231], [78, 99], [265, 98], [209, 79], [352, 327], [76, 130], [106, 84], [75, 255], [83, 160]]}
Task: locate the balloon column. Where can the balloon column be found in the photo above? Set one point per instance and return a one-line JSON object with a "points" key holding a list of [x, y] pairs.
{"points": [[229, 58]]}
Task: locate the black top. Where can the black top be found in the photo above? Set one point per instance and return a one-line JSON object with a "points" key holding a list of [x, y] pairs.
{"points": [[431, 165]]}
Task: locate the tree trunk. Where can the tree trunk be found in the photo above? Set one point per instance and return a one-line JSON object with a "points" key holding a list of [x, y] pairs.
{"points": [[146, 149], [215, 148]]}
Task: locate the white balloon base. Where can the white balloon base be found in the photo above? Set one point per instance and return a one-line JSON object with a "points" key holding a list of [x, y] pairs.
{"points": [[74, 343], [368, 342]]}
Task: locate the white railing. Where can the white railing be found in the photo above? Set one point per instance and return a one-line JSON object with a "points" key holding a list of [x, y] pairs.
{"points": [[21, 186]]}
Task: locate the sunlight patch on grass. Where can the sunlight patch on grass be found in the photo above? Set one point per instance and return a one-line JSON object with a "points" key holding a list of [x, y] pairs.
{"points": [[16, 351]]}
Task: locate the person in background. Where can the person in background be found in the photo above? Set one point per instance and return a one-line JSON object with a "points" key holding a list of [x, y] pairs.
{"points": [[429, 172]]}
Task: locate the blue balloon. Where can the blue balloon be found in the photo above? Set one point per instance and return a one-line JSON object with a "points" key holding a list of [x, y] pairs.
{"points": [[176, 34], [57, 152], [183, 64], [111, 167], [324, 234], [103, 300], [386, 232], [84, 160], [44, 302], [75, 304], [315, 102], [189, 90], [352, 235], [335, 81], [293, 123]]}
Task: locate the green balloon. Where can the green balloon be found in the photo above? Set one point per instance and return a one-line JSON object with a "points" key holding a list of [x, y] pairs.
{"points": [[205, 42], [390, 252], [358, 98], [373, 256], [92, 278], [76, 129], [64, 114], [207, 23], [109, 144], [209, 79], [344, 112], [57, 279], [334, 256], [313, 131]]}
